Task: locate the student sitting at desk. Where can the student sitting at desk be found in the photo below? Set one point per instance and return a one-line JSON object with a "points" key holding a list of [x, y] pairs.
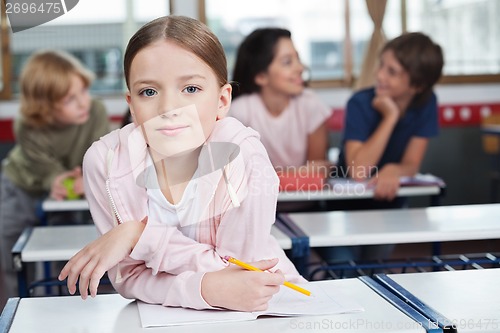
{"points": [[181, 187], [270, 97], [387, 127], [59, 121]]}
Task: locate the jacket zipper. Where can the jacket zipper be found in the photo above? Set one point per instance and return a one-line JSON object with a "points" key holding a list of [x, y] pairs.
{"points": [[109, 159]]}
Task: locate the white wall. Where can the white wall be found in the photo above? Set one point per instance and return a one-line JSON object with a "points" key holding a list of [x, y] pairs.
{"points": [[186, 8]]}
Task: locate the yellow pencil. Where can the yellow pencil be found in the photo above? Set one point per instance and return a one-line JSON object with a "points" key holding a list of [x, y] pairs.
{"points": [[252, 268]]}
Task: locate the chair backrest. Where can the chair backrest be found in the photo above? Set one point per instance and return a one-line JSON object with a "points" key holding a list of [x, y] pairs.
{"points": [[491, 143]]}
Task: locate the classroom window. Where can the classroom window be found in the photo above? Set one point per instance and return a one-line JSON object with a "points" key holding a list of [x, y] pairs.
{"points": [[319, 48], [361, 26], [95, 31], [319, 31], [468, 31]]}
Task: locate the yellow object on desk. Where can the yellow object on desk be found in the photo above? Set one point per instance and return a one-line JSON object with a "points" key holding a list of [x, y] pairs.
{"points": [[252, 268], [69, 184]]}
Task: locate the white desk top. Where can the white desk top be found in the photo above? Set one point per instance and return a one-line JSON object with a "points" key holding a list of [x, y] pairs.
{"points": [[491, 129], [327, 194], [470, 298], [337, 190], [433, 224], [59, 243], [283, 240], [50, 205], [112, 313], [354, 191]]}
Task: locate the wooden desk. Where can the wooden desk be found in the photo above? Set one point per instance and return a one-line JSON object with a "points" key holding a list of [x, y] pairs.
{"points": [[470, 299], [112, 313]]}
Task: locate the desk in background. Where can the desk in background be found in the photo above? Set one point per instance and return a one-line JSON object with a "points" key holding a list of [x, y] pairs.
{"points": [[48, 244], [347, 189], [335, 189], [50, 205], [491, 129], [399, 226], [60, 243], [491, 146]]}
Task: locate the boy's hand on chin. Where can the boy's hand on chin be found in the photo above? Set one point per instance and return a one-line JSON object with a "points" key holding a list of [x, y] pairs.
{"points": [[385, 105]]}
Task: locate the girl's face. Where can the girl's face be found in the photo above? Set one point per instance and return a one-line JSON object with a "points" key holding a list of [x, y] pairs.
{"points": [[74, 108], [175, 97], [392, 79], [284, 74]]}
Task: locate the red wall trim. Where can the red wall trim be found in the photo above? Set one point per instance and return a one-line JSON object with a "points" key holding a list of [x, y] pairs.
{"points": [[7, 134], [450, 115]]}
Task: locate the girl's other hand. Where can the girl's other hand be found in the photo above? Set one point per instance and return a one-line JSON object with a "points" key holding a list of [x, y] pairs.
{"points": [[90, 263], [238, 289]]}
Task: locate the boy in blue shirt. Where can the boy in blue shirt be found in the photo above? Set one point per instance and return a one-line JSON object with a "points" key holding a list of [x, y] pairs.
{"points": [[387, 127]]}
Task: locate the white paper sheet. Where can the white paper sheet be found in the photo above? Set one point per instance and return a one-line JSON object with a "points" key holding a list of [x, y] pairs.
{"points": [[326, 299]]}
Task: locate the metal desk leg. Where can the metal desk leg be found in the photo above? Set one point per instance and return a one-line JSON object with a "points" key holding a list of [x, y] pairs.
{"points": [[300, 243], [19, 265]]}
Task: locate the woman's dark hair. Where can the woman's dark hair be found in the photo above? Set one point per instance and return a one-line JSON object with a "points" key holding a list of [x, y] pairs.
{"points": [[254, 56], [421, 58]]}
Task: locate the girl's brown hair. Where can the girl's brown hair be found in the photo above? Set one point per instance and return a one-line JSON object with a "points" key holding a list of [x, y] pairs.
{"points": [[186, 32], [45, 81]]}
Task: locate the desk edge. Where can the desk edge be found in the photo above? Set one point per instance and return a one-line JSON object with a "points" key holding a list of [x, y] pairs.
{"points": [[8, 314]]}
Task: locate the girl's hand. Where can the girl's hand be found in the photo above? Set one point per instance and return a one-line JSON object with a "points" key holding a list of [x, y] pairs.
{"points": [[238, 289], [90, 263], [386, 183]]}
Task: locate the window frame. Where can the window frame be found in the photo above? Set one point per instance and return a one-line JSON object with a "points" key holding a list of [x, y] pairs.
{"points": [[5, 91]]}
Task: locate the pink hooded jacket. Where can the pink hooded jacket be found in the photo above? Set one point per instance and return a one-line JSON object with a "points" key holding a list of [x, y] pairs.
{"points": [[232, 211]]}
